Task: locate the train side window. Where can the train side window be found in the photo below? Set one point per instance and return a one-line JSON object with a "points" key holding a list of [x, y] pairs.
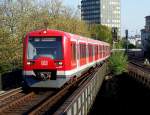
{"points": [[96, 50], [90, 48], [103, 48], [82, 50], [100, 49], [73, 50], [93, 50]]}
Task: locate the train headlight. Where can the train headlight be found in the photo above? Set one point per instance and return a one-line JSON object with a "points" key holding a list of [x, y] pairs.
{"points": [[58, 63], [44, 31], [28, 63]]}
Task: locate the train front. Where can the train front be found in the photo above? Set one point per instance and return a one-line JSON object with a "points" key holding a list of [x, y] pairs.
{"points": [[43, 62]]}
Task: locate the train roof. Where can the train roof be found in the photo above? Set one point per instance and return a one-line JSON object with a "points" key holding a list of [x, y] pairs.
{"points": [[52, 32]]}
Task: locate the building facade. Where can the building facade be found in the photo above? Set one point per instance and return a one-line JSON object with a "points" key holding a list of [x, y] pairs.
{"points": [[145, 35], [105, 12], [135, 40]]}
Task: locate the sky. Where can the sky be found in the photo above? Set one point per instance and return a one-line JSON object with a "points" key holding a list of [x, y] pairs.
{"points": [[133, 14]]}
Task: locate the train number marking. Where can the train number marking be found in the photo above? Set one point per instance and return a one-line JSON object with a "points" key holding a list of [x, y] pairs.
{"points": [[44, 63]]}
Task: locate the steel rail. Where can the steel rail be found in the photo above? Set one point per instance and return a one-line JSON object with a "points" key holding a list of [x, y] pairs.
{"points": [[14, 103], [7, 94], [141, 67]]}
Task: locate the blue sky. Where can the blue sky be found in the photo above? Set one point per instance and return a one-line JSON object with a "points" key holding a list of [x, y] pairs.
{"points": [[133, 13], [72, 3]]}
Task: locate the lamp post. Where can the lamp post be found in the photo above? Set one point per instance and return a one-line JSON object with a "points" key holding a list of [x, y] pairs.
{"points": [[126, 33], [114, 32]]}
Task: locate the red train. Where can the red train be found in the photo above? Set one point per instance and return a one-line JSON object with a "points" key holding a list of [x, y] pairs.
{"points": [[51, 58]]}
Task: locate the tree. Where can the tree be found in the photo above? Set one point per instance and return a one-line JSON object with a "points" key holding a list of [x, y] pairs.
{"points": [[101, 32], [21, 17]]}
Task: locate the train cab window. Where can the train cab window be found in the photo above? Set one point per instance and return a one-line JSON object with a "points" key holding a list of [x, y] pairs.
{"points": [[73, 50], [45, 46]]}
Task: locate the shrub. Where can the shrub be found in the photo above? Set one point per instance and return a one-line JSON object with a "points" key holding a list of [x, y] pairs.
{"points": [[118, 63]]}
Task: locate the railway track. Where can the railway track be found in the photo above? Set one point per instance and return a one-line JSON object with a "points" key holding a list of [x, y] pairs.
{"points": [[10, 93], [139, 72], [139, 63], [39, 102], [10, 96], [24, 103], [141, 66]]}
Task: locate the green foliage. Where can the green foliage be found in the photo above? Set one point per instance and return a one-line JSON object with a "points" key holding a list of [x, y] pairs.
{"points": [[124, 43], [101, 32], [118, 60], [119, 45], [10, 53], [131, 46], [118, 63]]}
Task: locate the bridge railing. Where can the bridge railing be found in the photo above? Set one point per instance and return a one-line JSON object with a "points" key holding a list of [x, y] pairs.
{"points": [[83, 98], [139, 74]]}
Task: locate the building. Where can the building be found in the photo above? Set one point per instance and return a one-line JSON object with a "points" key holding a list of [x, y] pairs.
{"points": [[135, 40], [105, 12], [145, 35]]}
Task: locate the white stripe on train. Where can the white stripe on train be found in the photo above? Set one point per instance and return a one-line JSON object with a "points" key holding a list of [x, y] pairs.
{"points": [[69, 72]]}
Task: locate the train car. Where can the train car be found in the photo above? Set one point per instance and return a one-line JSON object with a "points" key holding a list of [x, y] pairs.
{"points": [[51, 57]]}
